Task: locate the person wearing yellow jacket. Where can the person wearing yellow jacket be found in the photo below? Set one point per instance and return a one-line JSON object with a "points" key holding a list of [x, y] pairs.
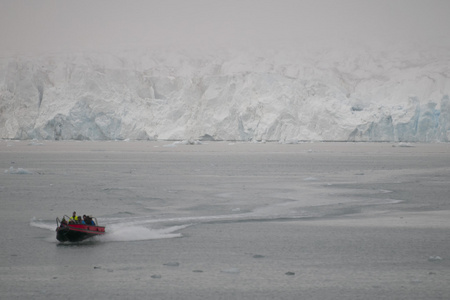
{"points": [[75, 218]]}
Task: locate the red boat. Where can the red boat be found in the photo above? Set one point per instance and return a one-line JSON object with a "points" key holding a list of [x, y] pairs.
{"points": [[76, 232]]}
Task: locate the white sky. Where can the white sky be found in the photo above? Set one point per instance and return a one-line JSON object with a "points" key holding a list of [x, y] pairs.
{"points": [[55, 25]]}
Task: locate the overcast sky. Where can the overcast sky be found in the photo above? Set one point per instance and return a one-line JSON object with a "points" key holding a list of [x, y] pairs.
{"points": [[55, 25]]}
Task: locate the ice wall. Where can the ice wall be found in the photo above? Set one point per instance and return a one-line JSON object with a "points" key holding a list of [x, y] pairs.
{"points": [[282, 95]]}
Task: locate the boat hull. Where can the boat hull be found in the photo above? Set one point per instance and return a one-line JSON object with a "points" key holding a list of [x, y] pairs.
{"points": [[78, 232]]}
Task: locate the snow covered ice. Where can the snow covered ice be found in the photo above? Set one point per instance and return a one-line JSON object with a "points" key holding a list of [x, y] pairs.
{"points": [[332, 94]]}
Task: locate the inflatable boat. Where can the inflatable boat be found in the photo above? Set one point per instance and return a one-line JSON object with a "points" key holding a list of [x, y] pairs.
{"points": [[76, 232]]}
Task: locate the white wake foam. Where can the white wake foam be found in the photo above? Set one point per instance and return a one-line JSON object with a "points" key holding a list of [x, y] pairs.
{"points": [[34, 222], [124, 233]]}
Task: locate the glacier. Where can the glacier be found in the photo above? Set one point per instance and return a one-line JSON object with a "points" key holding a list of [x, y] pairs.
{"points": [[307, 94]]}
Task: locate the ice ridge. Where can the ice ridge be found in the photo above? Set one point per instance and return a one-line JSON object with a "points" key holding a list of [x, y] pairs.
{"points": [[280, 95]]}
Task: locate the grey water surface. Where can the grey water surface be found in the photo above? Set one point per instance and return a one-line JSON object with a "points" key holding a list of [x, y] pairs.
{"points": [[224, 220]]}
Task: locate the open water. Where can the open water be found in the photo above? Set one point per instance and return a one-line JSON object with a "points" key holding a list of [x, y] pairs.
{"points": [[227, 220]]}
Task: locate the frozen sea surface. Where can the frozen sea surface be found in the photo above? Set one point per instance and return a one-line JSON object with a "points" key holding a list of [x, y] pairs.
{"points": [[227, 220]]}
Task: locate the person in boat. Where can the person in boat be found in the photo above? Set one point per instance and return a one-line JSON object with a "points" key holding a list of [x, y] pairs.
{"points": [[63, 222], [88, 220], [74, 219]]}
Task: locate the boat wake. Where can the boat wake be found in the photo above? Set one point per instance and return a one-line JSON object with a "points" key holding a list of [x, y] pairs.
{"points": [[125, 227], [42, 224], [121, 231]]}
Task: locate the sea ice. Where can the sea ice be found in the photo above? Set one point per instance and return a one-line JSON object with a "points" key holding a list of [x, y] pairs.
{"points": [[11, 170], [434, 258]]}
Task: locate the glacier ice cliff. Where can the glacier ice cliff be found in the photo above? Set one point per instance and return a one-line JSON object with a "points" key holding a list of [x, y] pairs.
{"points": [[280, 95]]}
